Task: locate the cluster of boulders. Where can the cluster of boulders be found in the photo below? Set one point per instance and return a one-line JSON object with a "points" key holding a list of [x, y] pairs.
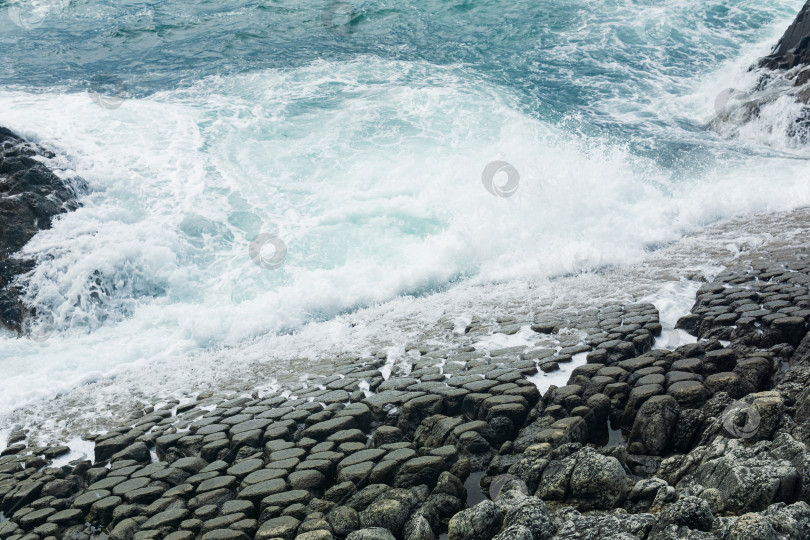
{"points": [[31, 195], [515, 515], [350, 455], [708, 440], [716, 442]]}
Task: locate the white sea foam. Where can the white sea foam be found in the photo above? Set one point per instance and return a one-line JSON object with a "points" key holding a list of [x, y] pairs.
{"points": [[369, 170], [558, 378], [674, 300], [79, 449]]}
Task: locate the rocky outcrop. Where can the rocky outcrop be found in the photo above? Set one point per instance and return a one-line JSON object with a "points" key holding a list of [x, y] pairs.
{"points": [[783, 73], [31, 195], [794, 48]]}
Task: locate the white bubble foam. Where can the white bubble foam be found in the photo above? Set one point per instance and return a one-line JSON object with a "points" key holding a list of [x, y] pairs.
{"points": [[370, 172], [544, 381]]}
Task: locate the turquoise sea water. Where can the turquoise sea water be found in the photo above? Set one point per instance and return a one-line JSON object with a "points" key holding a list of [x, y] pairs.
{"points": [[355, 135]]}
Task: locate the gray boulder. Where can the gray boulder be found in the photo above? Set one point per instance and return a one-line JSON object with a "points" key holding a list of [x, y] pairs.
{"points": [[418, 528], [749, 477], [529, 513], [654, 426], [373, 533], [573, 525], [597, 481], [343, 520], [280, 527], [387, 513], [584, 478], [650, 494], [688, 511], [753, 526], [481, 522], [792, 520], [515, 532]]}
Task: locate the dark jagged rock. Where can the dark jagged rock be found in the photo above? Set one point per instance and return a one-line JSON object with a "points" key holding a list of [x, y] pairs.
{"points": [[794, 47], [31, 195], [654, 426], [688, 511], [784, 72], [484, 520]]}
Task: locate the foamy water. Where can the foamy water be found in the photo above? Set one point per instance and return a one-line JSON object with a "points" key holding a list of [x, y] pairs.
{"points": [[366, 161]]}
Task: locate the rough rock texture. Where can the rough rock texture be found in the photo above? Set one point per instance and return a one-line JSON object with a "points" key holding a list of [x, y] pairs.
{"points": [[30, 196], [784, 72], [794, 47], [714, 442], [654, 426]]}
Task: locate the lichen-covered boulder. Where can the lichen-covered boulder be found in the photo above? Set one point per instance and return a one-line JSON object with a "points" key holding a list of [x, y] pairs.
{"points": [[481, 522], [749, 477], [597, 481], [688, 511]]}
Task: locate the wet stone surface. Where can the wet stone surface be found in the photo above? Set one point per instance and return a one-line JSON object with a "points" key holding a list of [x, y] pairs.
{"points": [[714, 442]]}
